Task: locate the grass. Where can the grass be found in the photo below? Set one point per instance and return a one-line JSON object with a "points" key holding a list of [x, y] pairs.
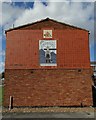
{"points": [[1, 95]]}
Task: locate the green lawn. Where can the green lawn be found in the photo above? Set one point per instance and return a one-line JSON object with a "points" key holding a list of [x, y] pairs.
{"points": [[1, 94]]}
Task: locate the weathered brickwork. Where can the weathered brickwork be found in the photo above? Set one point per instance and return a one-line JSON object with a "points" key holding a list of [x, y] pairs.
{"points": [[58, 87]]}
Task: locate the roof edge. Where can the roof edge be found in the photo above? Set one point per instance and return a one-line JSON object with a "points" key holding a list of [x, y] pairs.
{"points": [[18, 27]]}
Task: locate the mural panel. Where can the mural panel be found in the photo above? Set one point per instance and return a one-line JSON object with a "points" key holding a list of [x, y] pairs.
{"points": [[47, 52]]}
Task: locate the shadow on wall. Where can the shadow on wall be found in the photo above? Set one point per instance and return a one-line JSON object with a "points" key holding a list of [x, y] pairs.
{"points": [[94, 96]]}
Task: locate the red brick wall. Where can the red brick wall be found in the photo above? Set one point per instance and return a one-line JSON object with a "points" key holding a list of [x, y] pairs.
{"points": [[42, 86], [22, 49], [59, 87]]}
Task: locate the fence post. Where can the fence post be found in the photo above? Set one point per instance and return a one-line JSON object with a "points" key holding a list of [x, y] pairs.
{"points": [[11, 103]]}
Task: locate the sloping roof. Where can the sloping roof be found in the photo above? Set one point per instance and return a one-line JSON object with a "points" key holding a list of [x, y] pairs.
{"points": [[15, 28]]}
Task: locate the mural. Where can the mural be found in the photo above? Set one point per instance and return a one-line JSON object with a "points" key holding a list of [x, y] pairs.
{"points": [[47, 33], [47, 52]]}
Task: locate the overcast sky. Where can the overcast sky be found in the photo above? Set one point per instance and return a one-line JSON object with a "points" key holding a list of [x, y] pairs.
{"points": [[79, 13]]}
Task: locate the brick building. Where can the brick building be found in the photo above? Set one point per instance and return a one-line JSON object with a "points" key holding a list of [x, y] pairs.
{"points": [[47, 64]]}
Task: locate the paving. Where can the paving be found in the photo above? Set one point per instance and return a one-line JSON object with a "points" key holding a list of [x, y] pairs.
{"points": [[50, 115], [70, 113]]}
